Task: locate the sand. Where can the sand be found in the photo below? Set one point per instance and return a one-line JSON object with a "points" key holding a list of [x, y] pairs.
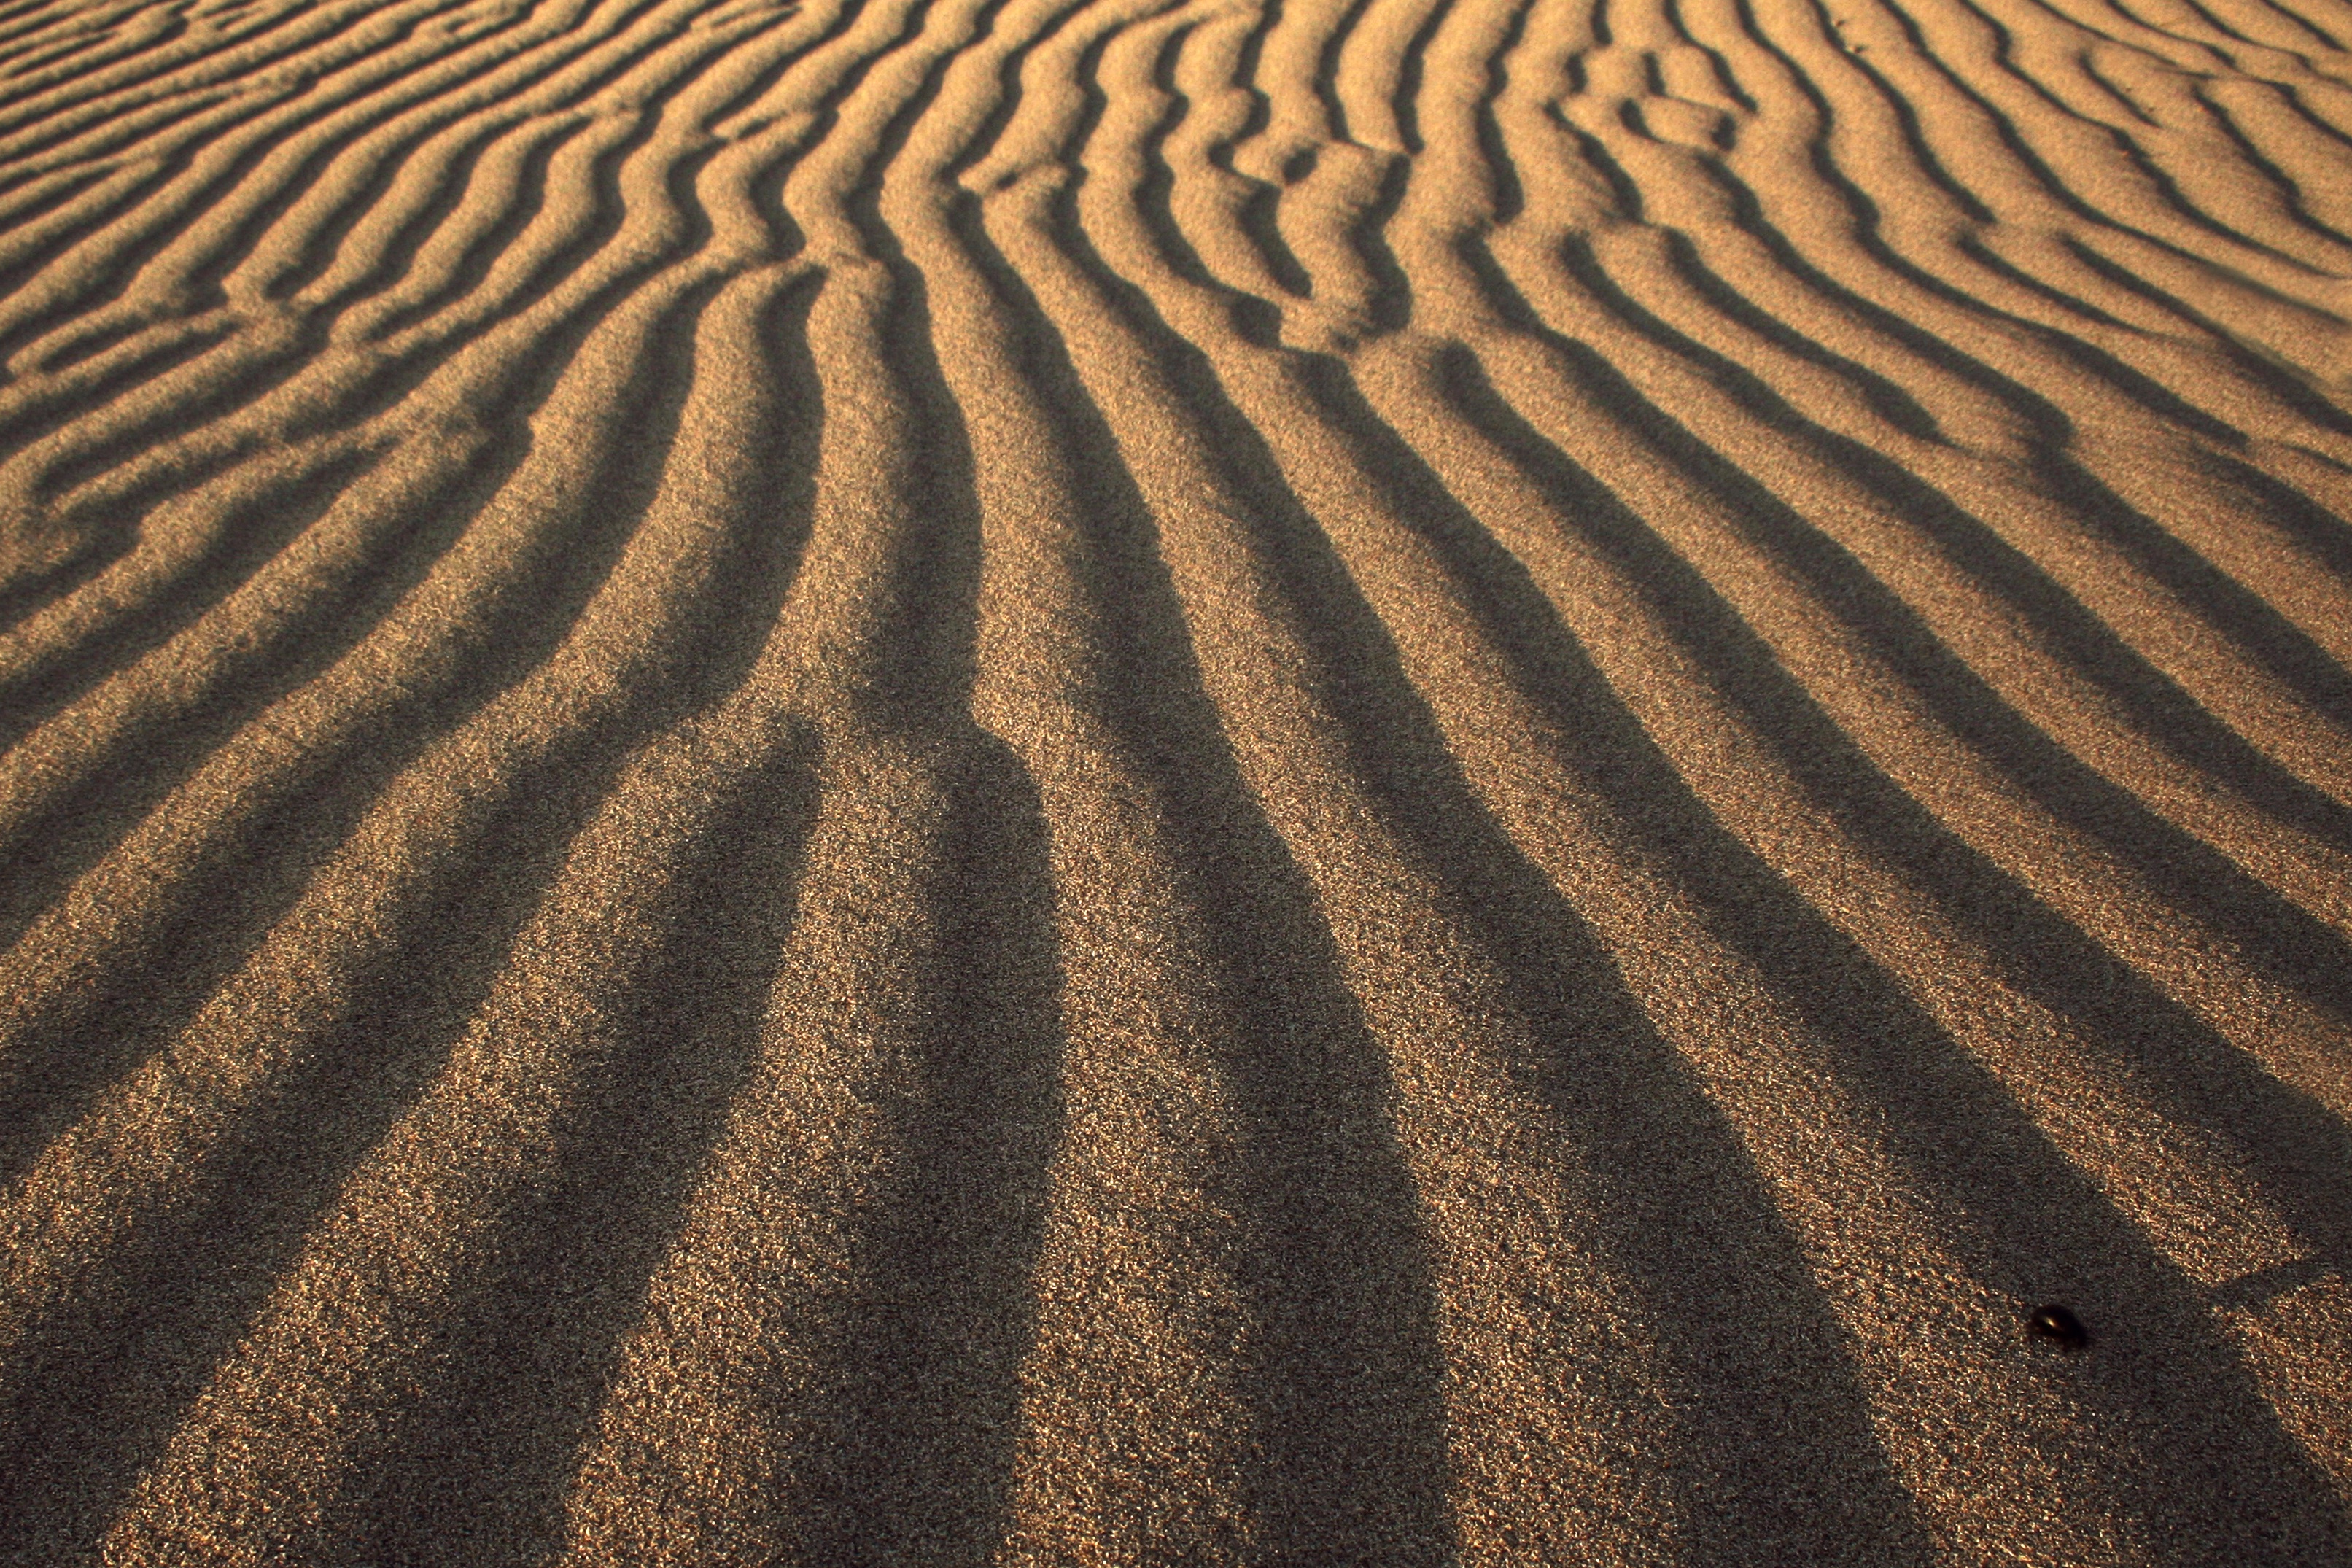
{"points": [[1175, 781]]}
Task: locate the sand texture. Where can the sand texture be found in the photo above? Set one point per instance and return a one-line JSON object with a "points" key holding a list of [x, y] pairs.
{"points": [[1175, 781]]}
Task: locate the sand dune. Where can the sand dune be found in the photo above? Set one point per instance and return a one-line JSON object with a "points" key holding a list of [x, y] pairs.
{"points": [[1085, 781]]}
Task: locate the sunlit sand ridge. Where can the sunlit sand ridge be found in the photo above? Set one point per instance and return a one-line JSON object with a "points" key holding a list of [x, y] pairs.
{"points": [[1098, 781]]}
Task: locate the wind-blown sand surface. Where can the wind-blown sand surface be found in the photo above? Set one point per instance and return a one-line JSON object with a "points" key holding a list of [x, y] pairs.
{"points": [[1175, 779]]}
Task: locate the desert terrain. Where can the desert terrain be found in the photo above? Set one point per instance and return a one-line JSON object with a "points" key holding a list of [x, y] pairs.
{"points": [[1175, 781]]}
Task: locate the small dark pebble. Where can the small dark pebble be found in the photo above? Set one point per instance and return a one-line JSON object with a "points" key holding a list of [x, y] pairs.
{"points": [[2059, 1326]]}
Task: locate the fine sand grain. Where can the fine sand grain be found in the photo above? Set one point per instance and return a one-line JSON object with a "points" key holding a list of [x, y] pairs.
{"points": [[1178, 781]]}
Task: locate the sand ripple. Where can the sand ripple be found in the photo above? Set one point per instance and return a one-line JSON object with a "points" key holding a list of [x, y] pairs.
{"points": [[1175, 779]]}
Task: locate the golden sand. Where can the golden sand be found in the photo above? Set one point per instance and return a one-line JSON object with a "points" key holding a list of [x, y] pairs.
{"points": [[1175, 781]]}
